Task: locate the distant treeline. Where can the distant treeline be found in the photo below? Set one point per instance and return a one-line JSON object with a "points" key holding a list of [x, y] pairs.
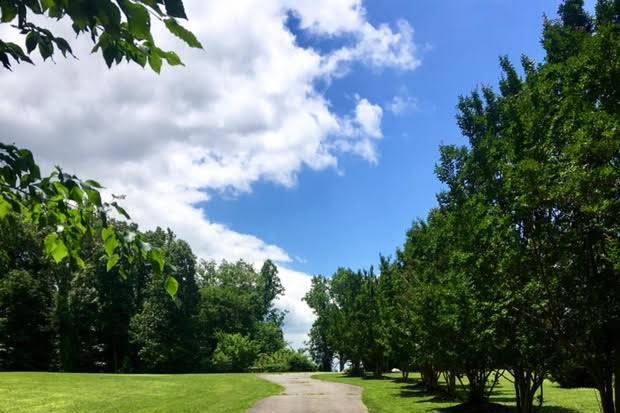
{"points": [[517, 269], [62, 317]]}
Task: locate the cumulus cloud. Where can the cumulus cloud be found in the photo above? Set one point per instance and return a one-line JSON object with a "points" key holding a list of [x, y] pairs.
{"points": [[244, 109], [368, 116], [402, 103]]}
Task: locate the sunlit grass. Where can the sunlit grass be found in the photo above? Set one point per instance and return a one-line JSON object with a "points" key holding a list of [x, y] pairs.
{"points": [[116, 393], [389, 395]]}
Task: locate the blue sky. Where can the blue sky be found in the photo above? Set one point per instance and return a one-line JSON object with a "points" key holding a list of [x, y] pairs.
{"points": [[347, 216]]}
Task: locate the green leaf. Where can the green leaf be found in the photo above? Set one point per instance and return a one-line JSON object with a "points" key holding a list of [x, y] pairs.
{"points": [[107, 233], [93, 184], [9, 11], [172, 286], [112, 261], [175, 8], [46, 48], [172, 58], [138, 20], [155, 61], [47, 4], [79, 261], [157, 258], [76, 195], [110, 245], [55, 247], [94, 196], [61, 189], [34, 5], [5, 208], [31, 41], [182, 33], [109, 52], [63, 45]]}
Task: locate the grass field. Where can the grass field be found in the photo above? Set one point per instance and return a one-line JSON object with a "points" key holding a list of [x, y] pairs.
{"points": [[115, 393], [388, 395]]}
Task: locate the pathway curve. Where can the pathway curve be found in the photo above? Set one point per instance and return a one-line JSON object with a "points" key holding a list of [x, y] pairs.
{"points": [[303, 394]]}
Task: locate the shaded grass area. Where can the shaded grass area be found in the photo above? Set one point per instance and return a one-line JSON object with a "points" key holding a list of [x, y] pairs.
{"points": [[120, 393], [390, 395]]}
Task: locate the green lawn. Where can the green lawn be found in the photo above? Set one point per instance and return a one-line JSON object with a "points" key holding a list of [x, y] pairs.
{"points": [[388, 395], [117, 393]]}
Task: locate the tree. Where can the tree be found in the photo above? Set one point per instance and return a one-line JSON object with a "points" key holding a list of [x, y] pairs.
{"points": [[26, 336], [235, 299], [120, 29], [164, 331], [270, 284], [320, 344]]}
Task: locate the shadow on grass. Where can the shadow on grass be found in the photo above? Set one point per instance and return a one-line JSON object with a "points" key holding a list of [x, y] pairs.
{"points": [[415, 389], [498, 408], [477, 408]]}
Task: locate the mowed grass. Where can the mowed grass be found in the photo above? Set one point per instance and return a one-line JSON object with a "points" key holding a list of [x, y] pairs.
{"points": [[120, 393], [389, 395]]}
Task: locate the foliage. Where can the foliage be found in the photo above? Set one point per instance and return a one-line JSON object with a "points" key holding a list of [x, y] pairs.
{"points": [[234, 352], [71, 213], [236, 299], [91, 319], [284, 360], [120, 29]]}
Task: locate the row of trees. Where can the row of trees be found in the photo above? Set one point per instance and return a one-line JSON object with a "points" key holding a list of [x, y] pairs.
{"points": [[516, 271], [93, 318]]}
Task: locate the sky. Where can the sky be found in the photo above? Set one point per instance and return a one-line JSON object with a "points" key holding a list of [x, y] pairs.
{"points": [[305, 132]]}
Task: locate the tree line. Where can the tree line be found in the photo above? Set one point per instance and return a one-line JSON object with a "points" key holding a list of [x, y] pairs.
{"points": [[92, 318], [515, 272]]}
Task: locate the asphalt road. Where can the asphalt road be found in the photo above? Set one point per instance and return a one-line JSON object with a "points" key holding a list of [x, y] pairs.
{"points": [[305, 395]]}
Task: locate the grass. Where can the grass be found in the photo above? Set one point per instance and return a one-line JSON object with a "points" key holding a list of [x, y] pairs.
{"points": [[119, 393], [390, 395]]}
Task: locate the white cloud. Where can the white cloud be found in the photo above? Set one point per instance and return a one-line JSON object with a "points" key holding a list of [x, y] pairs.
{"points": [[368, 116], [402, 103], [245, 109]]}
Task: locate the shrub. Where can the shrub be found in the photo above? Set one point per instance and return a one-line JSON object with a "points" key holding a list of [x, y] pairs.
{"points": [[284, 360], [234, 353]]}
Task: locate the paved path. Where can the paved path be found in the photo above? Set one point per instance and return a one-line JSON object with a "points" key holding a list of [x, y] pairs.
{"points": [[305, 395]]}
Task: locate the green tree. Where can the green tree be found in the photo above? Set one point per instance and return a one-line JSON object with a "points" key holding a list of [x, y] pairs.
{"points": [[26, 336], [235, 299], [164, 331], [319, 301]]}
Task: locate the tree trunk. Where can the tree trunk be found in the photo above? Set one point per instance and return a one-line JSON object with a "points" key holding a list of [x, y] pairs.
{"points": [[450, 378], [477, 386], [617, 372], [430, 377], [526, 384], [603, 374]]}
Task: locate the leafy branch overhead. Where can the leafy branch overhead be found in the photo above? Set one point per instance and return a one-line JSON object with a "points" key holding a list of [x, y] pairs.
{"points": [[69, 211], [120, 29]]}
